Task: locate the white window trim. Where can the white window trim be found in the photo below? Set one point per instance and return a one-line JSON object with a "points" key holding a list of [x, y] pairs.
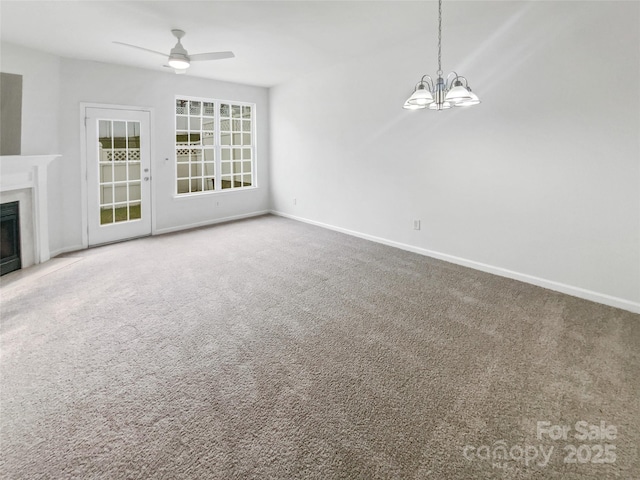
{"points": [[217, 148]]}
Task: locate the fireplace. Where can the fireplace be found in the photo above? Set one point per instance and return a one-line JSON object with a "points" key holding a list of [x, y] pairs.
{"points": [[10, 237], [23, 180]]}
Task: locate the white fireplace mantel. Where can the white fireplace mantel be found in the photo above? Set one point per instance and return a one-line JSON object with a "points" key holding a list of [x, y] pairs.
{"points": [[20, 172]]}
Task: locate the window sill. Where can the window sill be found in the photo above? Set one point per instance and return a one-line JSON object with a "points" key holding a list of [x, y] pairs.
{"points": [[213, 192]]}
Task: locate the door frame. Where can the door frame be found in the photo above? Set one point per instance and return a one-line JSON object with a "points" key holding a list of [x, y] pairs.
{"points": [[84, 180]]}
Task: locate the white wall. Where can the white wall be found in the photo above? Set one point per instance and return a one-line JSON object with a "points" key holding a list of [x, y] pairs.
{"points": [[53, 90], [84, 81], [540, 182], [40, 96]]}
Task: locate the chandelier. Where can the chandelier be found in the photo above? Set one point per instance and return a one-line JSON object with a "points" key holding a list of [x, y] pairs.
{"points": [[443, 94]]}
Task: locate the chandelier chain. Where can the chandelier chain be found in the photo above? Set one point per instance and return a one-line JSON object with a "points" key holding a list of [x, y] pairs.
{"points": [[439, 38]]}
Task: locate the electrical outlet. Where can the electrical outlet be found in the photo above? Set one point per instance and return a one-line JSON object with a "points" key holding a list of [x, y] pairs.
{"points": [[295, 201], [416, 224]]}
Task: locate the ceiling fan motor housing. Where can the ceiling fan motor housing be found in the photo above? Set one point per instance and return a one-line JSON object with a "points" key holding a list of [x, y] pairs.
{"points": [[178, 58]]}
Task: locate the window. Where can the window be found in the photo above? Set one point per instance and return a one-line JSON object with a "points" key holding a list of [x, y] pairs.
{"points": [[215, 145]]}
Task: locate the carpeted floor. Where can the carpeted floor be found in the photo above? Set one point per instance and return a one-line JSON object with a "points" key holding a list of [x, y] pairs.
{"points": [[272, 349]]}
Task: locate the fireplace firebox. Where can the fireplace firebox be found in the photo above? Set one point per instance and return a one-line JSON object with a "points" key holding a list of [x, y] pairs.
{"points": [[10, 237]]}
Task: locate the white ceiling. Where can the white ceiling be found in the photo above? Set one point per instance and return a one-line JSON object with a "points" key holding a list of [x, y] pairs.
{"points": [[273, 40]]}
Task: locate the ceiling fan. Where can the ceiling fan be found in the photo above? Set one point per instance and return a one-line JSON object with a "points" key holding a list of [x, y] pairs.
{"points": [[178, 58]]}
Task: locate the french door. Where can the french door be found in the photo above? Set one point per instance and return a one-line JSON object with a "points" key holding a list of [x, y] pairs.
{"points": [[118, 174]]}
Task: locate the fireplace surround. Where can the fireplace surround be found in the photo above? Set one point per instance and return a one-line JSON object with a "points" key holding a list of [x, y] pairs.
{"points": [[23, 180]]}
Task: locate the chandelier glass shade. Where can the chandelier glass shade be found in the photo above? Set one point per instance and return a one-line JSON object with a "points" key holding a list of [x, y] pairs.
{"points": [[454, 91]]}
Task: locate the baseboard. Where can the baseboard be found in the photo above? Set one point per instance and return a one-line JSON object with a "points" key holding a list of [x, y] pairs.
{"points": [[503, 272], [60, 251], [160, 231]]}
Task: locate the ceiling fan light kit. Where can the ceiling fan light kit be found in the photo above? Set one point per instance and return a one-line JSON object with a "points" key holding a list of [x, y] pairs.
{"points": [[179, 62], [441, 94], [179, 59]]}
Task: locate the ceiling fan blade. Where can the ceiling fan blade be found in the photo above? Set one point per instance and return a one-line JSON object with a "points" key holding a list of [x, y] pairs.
{"points": [[142, 48], [211, 56]]}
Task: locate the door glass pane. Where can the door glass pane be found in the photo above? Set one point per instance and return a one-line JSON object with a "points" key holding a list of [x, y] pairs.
{"points": [[134, 171], [106, 194], [120, 193], [106, 173], [134, 212], [134, 192], [121, 213], [119, 135], [106, 215], [104, 134], [133, 130], [119, 170]]}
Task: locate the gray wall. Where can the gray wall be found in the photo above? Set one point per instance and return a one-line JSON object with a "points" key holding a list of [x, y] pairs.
{"points": [[10, 113]]}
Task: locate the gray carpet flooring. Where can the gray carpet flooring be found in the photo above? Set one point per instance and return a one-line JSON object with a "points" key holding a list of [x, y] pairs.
{"points": [[272, 349]]}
